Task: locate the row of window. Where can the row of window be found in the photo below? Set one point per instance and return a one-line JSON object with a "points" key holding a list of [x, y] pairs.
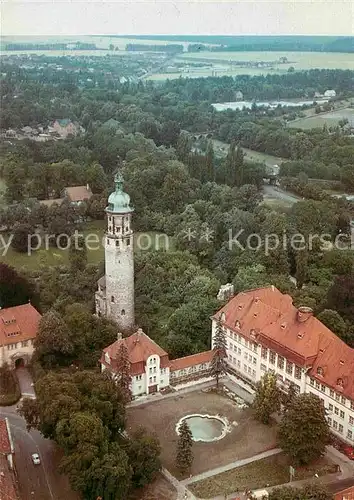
{"points": [[332, 393], [339, 427], [11, 347], [189, 371], [238, 338], [117, 229], [118, 242], [237, 350], [281, 363], [247, 369]]}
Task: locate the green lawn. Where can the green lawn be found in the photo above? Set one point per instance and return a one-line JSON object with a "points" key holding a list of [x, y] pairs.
{"points": [[221, 149], [330, 119], [52, 256], [270, 471]]}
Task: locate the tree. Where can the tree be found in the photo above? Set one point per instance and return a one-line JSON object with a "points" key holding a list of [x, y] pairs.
{"points": [[209, 163], [123, 377], [341, 296], [267, 398], [21, 233], [53, 344], [307, 492], [218, 362], [334, 321], [184, 456], [304, 431], [288, 397], [144, 457], [301, 268], [15, 289], [77, 254]]}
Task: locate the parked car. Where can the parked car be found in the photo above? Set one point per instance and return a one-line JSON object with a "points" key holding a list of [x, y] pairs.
{"points": [[349, 451], [35, 459]]}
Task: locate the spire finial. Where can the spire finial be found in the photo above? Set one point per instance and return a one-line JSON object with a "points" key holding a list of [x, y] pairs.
{"points": [[118, 180]]}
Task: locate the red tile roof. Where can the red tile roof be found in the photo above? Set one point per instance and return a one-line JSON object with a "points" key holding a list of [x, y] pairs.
{"points": [[7, 481], [18, 323], [347, 494], [140, 347], [193, 360], [78, 193], [5, 445], [269, 317]]}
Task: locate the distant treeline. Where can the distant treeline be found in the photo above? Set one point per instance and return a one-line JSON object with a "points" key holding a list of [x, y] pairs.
{"points": [[260, 43], [174, 48], [50, 46]]}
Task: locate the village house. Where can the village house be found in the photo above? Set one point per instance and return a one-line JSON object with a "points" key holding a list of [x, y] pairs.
{"points": [[151, 370], [239, 95], [65, 127], [7, 477], [18, 330], [77, 194], [347, 494], [266, 332], [330, 93]]}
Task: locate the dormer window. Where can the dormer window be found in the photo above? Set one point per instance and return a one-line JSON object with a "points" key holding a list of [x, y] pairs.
{"points": [[320, 371], [107, 358], [300, 335], [222, 316], [341, 362], [237, 324], [283, 326], [340, 382]]}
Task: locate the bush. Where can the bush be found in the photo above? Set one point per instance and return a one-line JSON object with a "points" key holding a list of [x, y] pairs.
{"points": [[10, 391]]}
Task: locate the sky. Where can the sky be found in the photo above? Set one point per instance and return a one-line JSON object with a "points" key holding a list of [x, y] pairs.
{"points": [[225, 17]]}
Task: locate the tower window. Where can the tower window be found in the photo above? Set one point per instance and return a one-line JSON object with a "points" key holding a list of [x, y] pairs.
{"points": [[110, 229], [117, 243], [107, 241], [112, 298], [123, 312], [127, 228], [128, 241]]}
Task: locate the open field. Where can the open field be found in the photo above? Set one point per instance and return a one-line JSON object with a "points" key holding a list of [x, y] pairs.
{"points": [[299, 60], [221, 149], [53, 256], [246, 438], [219, 71], [330, 119], [270, 471]]}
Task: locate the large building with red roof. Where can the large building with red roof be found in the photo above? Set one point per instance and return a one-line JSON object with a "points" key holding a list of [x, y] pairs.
{"points": [[18, 330], [266, 332]]}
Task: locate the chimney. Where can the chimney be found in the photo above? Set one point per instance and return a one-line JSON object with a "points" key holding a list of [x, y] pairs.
{"points": [[140, 331], [119, 336], [304, 313]]}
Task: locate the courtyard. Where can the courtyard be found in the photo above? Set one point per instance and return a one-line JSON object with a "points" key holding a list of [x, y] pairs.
{"points": [[245, 437]]}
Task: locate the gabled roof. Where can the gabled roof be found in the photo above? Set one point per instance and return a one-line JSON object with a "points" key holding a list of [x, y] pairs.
{"points": [[78, 193], [267, 316], [5, 442], [140, 347], [193, 360], [18, 323]]}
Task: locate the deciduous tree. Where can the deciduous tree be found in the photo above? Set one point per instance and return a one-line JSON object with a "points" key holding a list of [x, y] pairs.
{"points": [[268, 398]]}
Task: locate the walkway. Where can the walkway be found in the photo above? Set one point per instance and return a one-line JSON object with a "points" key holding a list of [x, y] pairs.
{"points": [[233, 465], [26, 382]]}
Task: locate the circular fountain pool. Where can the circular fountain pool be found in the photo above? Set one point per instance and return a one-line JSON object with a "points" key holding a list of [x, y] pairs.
{"points": [[205, 428]]}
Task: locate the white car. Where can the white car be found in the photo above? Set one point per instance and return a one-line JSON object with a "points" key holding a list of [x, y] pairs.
{"points": [[35, 459]]}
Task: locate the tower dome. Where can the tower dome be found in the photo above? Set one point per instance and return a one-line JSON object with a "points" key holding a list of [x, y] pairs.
{"points": [[119, 201]]}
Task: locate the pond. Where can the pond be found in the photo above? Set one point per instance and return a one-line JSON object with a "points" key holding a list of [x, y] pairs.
{"points": [[205, 428]]}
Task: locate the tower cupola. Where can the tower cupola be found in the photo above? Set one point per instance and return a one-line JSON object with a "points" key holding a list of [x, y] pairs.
{"points": [[119, 201]]}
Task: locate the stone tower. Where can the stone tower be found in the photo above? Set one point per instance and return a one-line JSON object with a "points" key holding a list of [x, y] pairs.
{"points": [[115, 295]]}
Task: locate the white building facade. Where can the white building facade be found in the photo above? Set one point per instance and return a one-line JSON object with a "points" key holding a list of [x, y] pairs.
{"points": [[265, 332], [115, 295]]}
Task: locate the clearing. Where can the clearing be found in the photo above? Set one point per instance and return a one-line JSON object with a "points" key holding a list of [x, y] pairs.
{"points": [[247, 437], [221, 149], [330, 119], [271, 471]]}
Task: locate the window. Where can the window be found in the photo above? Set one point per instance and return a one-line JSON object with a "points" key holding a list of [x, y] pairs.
{"points": [[329, 420], [340, 383], [297, 372], [272, 357], [318, 385], [246, 355], [351, 420], [128, 242], [108, 242], [155, 379], [150, 379], [340, 428], [117, 243], [352, 405], [323, 388], [254, 361], [239, 364], [239, 351], [297, 388], [336, 410], [331, 393], [320, 371], [264, 353], [112, 298], [330, 407], [24, 343], [343, 400], [281, 362], [337, 397], [312, 382], [350, 435], [263, 368], [245, 368], [150, 370], [341, 414], [280, 377], [249, 370], [289, 368], [254, 373], [335, 424], [122, 312], [138, 377]]}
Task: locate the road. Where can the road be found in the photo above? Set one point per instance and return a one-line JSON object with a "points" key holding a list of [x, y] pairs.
{"points": [[272, 192], [40, 482]]}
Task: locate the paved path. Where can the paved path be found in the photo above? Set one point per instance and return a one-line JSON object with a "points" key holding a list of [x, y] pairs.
{"points": [[26, 382], [233, 465], [276, 192]]}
